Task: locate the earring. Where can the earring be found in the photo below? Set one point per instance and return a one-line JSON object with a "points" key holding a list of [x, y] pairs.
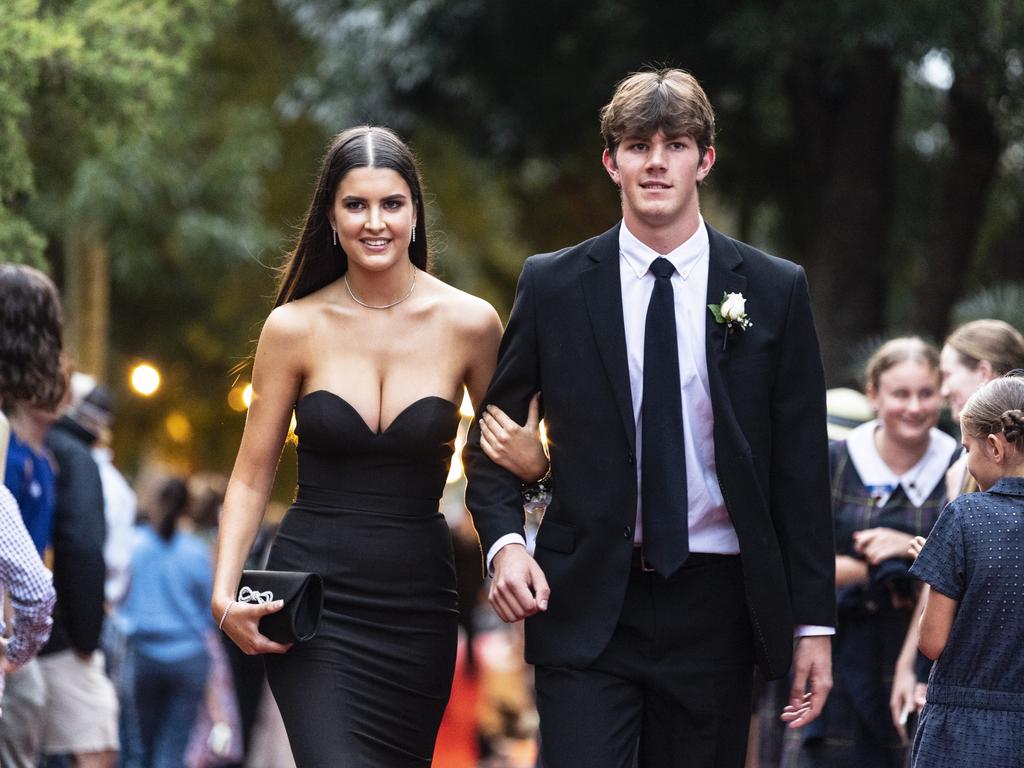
{"points": [[334, 236], [414, 233]]}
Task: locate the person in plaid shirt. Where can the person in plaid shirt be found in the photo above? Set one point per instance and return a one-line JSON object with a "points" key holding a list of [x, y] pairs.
{"points": [[30, 585]]}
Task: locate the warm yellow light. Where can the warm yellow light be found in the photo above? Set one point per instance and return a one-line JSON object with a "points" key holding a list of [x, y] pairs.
{"points": [[247, 395], [543, 434], [145, 379], [236, 401], [466, 409], [456, 472], [292, 437], [178, 427]]}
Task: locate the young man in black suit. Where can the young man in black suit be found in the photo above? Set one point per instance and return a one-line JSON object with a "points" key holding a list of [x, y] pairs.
{"points": [[689, 533]]}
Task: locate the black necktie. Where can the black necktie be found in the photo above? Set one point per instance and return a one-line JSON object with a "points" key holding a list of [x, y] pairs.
{"points": [[663, 458]]}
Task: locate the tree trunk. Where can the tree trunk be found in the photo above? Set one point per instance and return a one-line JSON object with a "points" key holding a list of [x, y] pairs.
{"points": [[845, 117], [87, 295], [972, 168]]}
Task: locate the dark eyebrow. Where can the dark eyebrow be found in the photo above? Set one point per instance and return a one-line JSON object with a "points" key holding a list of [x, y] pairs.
{"points": [[357, 199]]}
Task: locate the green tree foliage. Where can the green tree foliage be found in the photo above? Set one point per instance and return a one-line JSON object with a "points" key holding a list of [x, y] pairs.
{"points": [[76, 78], [196, 214], [148, 132]]}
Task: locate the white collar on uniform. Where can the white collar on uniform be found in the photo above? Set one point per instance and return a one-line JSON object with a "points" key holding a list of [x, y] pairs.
{"points": [[918, 482], [684, 257]]}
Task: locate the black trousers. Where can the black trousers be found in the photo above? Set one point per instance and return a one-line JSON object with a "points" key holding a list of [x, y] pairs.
{"points": [[673, 687]]}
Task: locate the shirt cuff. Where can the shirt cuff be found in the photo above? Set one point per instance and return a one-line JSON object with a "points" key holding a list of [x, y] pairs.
{"points": [[508, 538], [812, 630]]}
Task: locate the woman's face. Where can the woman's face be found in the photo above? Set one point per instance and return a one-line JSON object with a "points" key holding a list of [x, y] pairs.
{"points": [[907, 401], [374, 216], [958, 381]]}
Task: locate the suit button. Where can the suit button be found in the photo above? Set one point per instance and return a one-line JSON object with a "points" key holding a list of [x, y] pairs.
{"points": [[627, 532], [630, 458]]}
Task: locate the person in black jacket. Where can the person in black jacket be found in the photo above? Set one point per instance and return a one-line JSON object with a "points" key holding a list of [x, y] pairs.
{"points": [[689, 533], [81, 716]]}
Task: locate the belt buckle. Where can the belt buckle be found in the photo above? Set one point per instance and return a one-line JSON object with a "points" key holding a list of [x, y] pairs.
{"points": [[644, 568]]}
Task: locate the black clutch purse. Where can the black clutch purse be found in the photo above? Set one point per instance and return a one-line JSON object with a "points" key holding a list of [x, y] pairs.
{"points": [[303, 595]]}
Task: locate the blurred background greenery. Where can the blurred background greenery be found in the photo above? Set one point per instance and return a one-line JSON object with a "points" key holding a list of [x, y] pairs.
{"points": [[156, 158]]}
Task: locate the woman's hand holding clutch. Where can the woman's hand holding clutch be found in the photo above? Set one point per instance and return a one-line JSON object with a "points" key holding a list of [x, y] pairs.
{"points": [[240, 622]]}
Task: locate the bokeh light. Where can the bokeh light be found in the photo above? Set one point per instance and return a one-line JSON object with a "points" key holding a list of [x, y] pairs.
{"points": [[145, 379], [236, 398], [178, 427]]}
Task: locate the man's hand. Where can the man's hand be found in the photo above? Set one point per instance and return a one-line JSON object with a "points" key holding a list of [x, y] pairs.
{"points": [[812, 667], [518, 588]]}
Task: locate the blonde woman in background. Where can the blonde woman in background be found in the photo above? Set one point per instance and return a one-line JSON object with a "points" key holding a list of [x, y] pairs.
{"points": [[973, 355]]}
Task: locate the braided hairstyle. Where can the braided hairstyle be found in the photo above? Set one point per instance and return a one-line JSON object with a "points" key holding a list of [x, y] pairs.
{"points": [[998, 407]]}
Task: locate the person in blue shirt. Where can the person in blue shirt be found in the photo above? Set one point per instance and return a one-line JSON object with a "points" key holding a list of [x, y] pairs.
{"points": [[973, 622], [167, 620]]}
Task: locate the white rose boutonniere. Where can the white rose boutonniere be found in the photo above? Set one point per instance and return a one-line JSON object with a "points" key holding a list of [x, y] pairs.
{"points": [[731, 313]]}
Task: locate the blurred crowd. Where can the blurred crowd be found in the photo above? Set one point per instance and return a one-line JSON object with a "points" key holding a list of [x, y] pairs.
{"points": [[110, 655]]}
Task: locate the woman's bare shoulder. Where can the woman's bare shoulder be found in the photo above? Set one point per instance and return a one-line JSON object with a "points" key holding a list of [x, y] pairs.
{"points": [[292, 321], [286, 324], [468, 314]]}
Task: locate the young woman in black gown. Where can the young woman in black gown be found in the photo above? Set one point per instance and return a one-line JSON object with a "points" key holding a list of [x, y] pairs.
{"points": [[372, 353]]}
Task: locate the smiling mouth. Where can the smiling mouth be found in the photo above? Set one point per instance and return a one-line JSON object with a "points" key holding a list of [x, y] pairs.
{"points": [[655, 186], [376, 243]]}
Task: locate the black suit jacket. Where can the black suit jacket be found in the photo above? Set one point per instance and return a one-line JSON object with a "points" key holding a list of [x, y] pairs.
{"points": [[566, 339], [79, 531]]}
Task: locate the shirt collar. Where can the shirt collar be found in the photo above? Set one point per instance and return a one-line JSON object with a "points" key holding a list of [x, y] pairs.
{"points": [[918, 482], [684, 257], [1008, 486]]}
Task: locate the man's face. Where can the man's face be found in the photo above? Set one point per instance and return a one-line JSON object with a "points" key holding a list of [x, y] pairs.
{"points": [[658, 176]]}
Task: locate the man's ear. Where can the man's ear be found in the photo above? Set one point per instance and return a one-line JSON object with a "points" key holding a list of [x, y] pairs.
{"points": [[612, 167], [705, 164]]}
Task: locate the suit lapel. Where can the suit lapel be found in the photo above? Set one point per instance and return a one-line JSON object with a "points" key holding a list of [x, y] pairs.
{"points": [[603, 295], [722, 278]]}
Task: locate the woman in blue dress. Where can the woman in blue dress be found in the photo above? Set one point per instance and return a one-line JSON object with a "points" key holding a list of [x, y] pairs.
{"points": [[972, 623]]}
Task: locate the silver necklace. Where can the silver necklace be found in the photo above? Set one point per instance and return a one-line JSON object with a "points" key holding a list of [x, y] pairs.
{"points": [[362, 303]]}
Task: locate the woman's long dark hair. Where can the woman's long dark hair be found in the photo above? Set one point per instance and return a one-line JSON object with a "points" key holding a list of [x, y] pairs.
{"points": [[315, 260], [31, 339]]}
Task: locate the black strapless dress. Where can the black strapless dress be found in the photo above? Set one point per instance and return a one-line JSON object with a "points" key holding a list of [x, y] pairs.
{"points": [[370, 689]]}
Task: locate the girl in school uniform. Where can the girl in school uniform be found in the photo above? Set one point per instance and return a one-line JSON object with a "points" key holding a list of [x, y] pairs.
{"points": [[973, 621]]}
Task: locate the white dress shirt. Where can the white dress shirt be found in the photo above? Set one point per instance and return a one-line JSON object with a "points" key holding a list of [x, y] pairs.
{"points": [[709, 523]]}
